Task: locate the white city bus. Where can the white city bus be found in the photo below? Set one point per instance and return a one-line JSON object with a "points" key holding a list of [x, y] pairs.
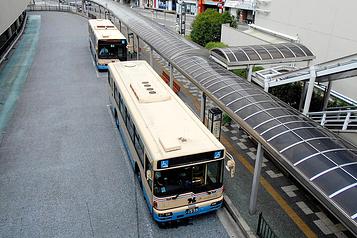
{"points": [[178, 161], [106, 43]]}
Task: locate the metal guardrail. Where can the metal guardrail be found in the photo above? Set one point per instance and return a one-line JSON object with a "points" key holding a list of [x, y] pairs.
{"points": [[341, 120], [60, 8], [263, 229]]}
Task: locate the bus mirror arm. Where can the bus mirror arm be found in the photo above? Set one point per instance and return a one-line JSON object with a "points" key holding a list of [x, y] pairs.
{"points": [[231, 164], [148, 174]]}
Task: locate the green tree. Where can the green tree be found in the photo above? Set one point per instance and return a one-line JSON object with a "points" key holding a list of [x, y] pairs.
{"points": [[211, 45], [289, 93], [207, 26]]}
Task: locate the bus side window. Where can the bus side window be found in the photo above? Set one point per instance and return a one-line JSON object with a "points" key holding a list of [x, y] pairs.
{"points": [[124, 114], [149, 173], [130, 126], [121, 106], [116, 94], [139, 147]]}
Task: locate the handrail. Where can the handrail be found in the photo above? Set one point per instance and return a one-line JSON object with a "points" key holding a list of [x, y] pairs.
{"points": [[332, 112], [344, 119]]}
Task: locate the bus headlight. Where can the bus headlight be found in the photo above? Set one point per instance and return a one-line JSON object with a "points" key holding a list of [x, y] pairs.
{"points": [[167, 214]]}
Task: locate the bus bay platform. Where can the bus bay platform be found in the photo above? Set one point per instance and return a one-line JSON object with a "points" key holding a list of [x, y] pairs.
{"points": [[288, 208]]}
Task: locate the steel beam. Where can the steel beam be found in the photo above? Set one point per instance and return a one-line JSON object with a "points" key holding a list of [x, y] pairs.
{"points": [[310, 90], [327, 95], [203, 107], [250, 72], [137, 48], [256, 177], [171, 76]]}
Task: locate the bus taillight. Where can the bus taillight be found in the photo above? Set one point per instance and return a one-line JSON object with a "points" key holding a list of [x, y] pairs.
{"points": [[155, 204]]}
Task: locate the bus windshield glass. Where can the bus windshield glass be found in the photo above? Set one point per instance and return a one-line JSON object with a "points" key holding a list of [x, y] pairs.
{"points": [[196, 178], [112, 50]]}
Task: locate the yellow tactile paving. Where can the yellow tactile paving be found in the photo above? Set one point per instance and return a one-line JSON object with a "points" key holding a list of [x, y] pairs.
{"points": [[267, 186]]}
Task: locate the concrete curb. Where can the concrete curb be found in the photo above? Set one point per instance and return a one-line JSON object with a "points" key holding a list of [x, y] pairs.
{"points": [[237, 217]]}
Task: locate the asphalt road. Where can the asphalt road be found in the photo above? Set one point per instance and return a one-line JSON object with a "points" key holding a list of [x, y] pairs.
{"points": [[63, 167]]}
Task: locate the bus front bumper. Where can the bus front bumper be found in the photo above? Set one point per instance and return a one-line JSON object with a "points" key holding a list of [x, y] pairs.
{"points": [[187, 211]]}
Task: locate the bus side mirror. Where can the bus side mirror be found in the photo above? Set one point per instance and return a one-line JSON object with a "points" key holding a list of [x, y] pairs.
{"points": [[148, 175], [231, 165]]}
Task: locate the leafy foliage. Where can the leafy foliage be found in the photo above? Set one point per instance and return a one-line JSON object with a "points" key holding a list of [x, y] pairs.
{"points": [[226, 119], [288, 93], [243, 72], [207, 26], [211, 45]]}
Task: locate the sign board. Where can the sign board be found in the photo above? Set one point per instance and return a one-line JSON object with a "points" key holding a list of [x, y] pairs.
{"points": [[215, 121]]}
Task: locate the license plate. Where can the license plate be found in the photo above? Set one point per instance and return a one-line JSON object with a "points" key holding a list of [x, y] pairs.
{"points": [[192, 210]]}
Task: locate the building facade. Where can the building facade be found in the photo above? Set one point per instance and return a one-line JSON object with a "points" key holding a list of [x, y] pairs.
{"points": [[327, 28]]}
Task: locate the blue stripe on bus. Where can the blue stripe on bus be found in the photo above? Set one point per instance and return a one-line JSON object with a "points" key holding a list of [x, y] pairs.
{"points": [[102, 67], [182, 214]]}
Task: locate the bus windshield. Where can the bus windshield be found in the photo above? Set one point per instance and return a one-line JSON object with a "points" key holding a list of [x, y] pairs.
{"points": [[196, 178], [112, 50]]}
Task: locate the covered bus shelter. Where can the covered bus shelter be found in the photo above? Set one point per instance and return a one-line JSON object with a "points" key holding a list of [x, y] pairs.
{"points": [[323, 163], [248, 56]]}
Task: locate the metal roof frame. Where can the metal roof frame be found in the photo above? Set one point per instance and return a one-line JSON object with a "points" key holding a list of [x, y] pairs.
{"points": [[188, 59], [263, 54]]}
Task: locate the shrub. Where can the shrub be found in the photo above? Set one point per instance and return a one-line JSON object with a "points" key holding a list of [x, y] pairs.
{"points": [[207, 26], [211, 45]]}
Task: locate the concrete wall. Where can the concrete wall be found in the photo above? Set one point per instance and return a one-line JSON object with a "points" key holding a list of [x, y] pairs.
{"points": [[10, 10], [233, 37], [327, 27]]}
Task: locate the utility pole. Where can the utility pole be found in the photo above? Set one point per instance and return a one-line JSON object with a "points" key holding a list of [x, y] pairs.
{"points": [[181, 17]]}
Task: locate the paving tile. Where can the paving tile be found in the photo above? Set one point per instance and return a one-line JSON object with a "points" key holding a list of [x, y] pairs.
{"points": [[234, 138], [272, 174], [289, 190], [323, 227], [251, 155], [340, 235], [243, 140], [242, 146], [304, 208], [224, 129], [234, 131], [253, 149]]}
